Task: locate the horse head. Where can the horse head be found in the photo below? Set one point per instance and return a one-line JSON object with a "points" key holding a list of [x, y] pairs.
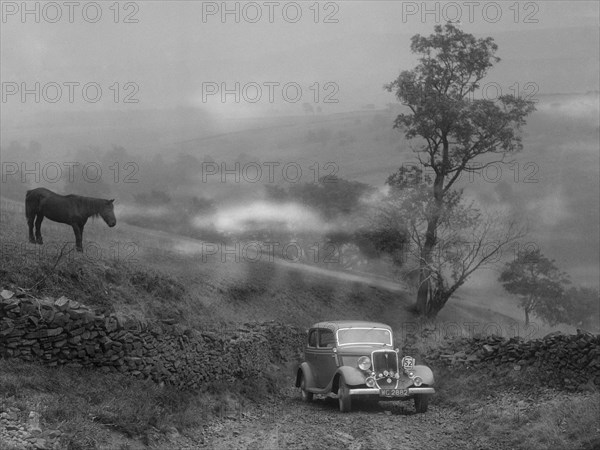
{"points": [[108, 213]]}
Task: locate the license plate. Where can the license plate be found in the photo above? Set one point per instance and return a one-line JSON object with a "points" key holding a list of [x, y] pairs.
{"points": [[393, 392]]}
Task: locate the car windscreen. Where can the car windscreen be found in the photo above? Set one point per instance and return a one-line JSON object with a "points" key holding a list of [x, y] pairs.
{"points": [[380, 336]]}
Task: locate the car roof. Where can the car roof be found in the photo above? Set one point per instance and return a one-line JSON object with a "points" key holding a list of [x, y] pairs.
{"points": [[335, 325]]}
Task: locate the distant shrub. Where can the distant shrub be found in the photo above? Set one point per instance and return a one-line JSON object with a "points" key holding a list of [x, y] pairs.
{"points": [[331, 196], [202, 205], [155, 197]]}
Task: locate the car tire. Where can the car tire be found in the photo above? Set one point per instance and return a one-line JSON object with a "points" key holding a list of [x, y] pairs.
{"points": [[306, 396], [344, 398], [421, 403]]}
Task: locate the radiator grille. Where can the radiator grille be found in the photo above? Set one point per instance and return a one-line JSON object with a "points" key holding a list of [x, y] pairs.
{"points": [[385, 361]]}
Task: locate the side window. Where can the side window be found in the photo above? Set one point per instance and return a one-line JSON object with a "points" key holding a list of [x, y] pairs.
{"points": [[312, 338], [326, 338]]}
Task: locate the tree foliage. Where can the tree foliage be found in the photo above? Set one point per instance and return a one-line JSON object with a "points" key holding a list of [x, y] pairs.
{"points": [[374, 241], [452, 128], [539, 284], [466, 237]]}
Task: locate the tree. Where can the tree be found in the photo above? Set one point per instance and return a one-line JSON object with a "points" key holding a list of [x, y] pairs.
{"points": [[467, 239], [453, 127], [539, 284]]}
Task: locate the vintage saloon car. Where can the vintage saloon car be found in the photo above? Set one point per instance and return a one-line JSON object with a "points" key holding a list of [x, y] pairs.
{"points": [[348, 358]]}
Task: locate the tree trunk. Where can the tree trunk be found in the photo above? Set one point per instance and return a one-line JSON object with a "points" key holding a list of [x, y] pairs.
{"points": [[423, 303], [437, 303], [440, 297], [529, 307]]}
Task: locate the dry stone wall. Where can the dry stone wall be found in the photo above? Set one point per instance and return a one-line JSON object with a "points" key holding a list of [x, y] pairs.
{"points": [[559, 360], [65, 332]]}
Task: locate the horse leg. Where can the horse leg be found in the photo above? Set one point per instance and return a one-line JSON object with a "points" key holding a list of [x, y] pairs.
{"points": [[31, 209], [77, 231], [38, 229], [30, 219], [81, 226]]}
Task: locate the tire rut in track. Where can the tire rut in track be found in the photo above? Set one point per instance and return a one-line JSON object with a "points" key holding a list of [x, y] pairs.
{"points": [[290, 424]]}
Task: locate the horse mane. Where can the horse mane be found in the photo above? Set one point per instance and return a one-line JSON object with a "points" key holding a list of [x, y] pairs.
{"points": [[91, 205]]}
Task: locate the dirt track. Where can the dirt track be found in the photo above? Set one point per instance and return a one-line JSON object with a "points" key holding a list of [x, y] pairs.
{"points": [[319, 425]]}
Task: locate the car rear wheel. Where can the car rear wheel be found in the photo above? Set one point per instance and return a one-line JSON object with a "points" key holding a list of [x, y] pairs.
{"points": [[344, 396], [306, 396], [421, 402]]}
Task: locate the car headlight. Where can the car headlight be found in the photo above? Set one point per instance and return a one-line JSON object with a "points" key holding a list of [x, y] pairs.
{"points": [[417, 381], [364, 363], [370, 382]]}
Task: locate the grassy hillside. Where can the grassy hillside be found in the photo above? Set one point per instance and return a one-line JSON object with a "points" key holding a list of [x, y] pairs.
{"points": [[150, 274], [138, 272], [81, 409], [552, 184], [157, 275]]}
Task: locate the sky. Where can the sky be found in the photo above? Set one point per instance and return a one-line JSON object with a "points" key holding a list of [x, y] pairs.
{"points": [[255, 58]]}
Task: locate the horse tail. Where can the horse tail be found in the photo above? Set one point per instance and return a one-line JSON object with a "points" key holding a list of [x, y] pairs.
{"points": [[32, 203]]}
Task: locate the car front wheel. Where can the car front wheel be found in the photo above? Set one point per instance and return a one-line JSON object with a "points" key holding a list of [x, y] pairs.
{"points": [[344, 396], [306, 396], [421, 402]]}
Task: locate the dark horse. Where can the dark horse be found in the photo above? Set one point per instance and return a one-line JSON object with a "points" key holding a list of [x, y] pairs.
{"points": [[71, 209]]}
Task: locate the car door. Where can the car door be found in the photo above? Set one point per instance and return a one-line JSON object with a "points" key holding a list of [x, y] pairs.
{"points": [[325, 357], [311, 346]]}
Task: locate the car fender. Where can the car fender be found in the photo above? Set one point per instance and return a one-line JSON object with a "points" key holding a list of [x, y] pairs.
{"points": [[425, 373], [305, 369], [352, 375]]}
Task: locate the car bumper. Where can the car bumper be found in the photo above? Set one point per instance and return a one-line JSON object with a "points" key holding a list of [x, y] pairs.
{"points": [[375, 391]]}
